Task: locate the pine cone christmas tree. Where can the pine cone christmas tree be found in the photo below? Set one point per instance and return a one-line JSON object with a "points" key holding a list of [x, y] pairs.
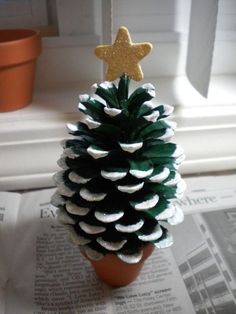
{"points": [[119, 177]]}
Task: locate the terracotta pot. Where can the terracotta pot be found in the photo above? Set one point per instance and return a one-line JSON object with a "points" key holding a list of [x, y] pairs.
{"points": [[115, 272], [19, 49]]}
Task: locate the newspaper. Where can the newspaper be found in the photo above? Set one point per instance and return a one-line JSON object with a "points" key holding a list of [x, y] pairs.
{"points": [[41, 272]]}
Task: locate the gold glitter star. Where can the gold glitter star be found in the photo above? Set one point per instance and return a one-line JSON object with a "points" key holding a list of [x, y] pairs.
{"points": [[123, 56]]}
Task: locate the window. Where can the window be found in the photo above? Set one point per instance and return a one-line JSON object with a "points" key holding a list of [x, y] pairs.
{"points": [[67, 67], [23, 13]]}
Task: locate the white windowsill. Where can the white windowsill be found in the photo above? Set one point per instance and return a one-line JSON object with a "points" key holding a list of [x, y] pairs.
{"points": [[29, 138]]}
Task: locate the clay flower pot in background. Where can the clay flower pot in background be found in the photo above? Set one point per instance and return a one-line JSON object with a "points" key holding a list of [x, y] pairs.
{"points": [[19, 49]]}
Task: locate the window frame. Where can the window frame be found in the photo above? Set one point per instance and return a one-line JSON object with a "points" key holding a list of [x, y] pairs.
{"points": [[24, 13]]}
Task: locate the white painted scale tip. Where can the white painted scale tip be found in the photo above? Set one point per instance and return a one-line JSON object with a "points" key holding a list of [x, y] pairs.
{"points": [[130, 188], [65, 190], [113, 176], [129, 228], [147, 204], [165, 242], [176, 179], [68, 152], [111, 246], [58, 177], [172, 124], [150, 89], [152, 117], [141, 173], [167, 135], [77, 239], [71, 127], [75, 209], [92, 124], [156, 234], [93, 254], [168, 110], [131, 258], [63, 143], [131, 147], [91, 229], [91, 197], [107, 218], [178, 151], [57, 199], [81, 106], [64, 218], [150, 104], [181, 186], [177, 218], [97, 153], [106, 85], [112, 112], [148, 86], [84, 97], [62, 163], [167, 213], [74, 177], [94, 88], [180, 159]]}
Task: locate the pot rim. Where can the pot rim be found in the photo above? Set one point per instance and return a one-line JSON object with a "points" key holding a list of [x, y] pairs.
{"points": [[116, 272], [23, 34], [23, 45]]}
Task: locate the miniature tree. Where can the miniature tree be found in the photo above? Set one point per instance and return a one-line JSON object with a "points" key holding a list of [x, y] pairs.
{"points": [[119, 177]]}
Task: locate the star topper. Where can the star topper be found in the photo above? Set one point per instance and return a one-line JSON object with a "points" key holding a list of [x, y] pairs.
{"points": [[123, 56]]}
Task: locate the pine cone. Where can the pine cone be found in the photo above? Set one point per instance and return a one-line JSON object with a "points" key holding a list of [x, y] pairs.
{"points": [[119, 177]]}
